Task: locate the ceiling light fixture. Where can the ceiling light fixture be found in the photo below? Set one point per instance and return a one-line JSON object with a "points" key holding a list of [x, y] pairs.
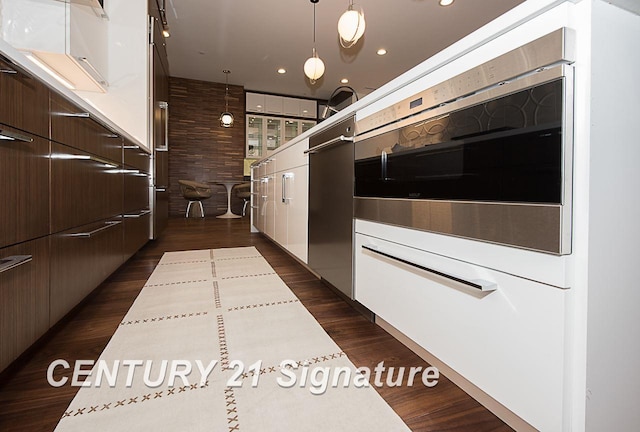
{"points": [[351, 26], [314, 67], [344, 81], [165, 32], [445, 2], [226, 118], [381, 51], [282, 71]]}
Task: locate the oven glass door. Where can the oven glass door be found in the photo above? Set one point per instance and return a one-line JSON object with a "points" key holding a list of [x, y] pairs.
{"points": [[508, 150]]}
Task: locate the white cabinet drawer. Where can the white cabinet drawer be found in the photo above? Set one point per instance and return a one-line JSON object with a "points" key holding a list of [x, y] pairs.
{"points": [[292, 156], [508, 342]]}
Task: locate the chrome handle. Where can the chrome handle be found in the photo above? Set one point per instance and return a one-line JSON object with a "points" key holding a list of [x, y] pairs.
{"points": [[107, 163], [479, 284], [164, 106], [330, 143], [95, 231], [137, 215], [383, 165], [86, 64], [77, 115], [161, 190], [13, 262], [14, 136], [8, 71], [284, 189], [285, 176], [131, 147]]}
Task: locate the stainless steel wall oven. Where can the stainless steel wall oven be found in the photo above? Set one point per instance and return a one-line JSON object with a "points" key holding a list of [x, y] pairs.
{"points": [[486, 155]]}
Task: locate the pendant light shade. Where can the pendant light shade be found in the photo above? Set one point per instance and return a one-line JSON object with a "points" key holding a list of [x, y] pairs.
{"points": [[314, 66], [226, 118], [351, 26]]}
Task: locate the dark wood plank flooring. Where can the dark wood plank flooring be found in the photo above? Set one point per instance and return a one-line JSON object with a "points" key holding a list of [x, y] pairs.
{"points": [[28, 403]]}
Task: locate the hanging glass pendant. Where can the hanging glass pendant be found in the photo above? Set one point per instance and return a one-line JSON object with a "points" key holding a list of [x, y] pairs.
{"points": [[351, 26]]}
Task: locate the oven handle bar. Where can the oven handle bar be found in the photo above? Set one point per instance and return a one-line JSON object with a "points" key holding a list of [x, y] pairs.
{"points": [[329, 143], [479, 284]]}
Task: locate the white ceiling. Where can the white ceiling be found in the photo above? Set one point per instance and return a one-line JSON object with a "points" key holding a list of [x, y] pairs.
{"points": [[253, 38]]}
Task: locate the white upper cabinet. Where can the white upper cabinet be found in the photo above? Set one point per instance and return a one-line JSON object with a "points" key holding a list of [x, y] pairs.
{"points": [[281, 105], [68, 38], [273, 104], [291, 106], [255, 102], [308, 108]]}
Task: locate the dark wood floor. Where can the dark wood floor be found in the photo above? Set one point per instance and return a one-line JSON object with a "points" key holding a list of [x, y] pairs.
{"points": [[28, 403]]}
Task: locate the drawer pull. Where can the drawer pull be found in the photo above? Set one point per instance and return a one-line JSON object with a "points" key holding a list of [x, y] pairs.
{"points": [[14, 136], [479, 284], [13, 262], [95, 231], [161, 189], [131, 147], [8, 71], [137, 215], [92, 158], [327, 144], [76, 115], [93, 71]]}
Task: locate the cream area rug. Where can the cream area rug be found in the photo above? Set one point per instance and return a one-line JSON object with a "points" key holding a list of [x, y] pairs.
{"points": [[229, 306]]}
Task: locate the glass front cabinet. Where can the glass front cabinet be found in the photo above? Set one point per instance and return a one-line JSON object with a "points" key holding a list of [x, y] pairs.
{"points": [[267, 134]]}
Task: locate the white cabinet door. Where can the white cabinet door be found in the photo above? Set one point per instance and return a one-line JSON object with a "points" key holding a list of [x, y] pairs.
{"points": [[292, 156], [273, 104], [296, 190], [308, 108], [269, 209], [255, 102], [509, 342], [280, 205], [291, 106]]}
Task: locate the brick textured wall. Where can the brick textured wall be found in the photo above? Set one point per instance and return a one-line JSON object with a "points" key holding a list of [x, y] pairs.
{"points": [[199, 148]]}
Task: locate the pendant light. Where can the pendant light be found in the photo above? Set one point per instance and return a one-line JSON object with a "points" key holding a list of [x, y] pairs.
{"points": [[351, 26], [226, 118], [314, 67]]}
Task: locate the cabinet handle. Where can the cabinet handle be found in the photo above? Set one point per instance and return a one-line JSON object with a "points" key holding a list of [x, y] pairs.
{"points": [[86, 64], [76, 115], [13, 262], [95, 231], [107, 163], [284, 187], [138, 215], [330, 143], [164, 106], [8, 71], [14, 136], [479, 284]]}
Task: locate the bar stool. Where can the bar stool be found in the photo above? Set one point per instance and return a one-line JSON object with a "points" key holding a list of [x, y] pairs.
{"points": [[194, 192], [243, 191]]}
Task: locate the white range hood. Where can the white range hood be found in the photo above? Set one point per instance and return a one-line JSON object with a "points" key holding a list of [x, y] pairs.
{"points": [[68, 39]]}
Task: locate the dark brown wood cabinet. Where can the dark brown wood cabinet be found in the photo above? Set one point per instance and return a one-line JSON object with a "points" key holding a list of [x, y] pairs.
{"points": [[24, 297], [24, 177], [135, 157], [81, 258], [74, 127], [136, 231], [75, 199], [83, 189], [24, 102]]}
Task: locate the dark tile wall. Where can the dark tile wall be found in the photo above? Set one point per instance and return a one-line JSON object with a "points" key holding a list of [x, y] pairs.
{"points": [[199, 148]]}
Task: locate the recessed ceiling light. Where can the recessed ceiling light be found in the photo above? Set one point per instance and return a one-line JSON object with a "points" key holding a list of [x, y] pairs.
{"points": [[445, 2], [382, 51], [282, 71], [344, 81]]}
